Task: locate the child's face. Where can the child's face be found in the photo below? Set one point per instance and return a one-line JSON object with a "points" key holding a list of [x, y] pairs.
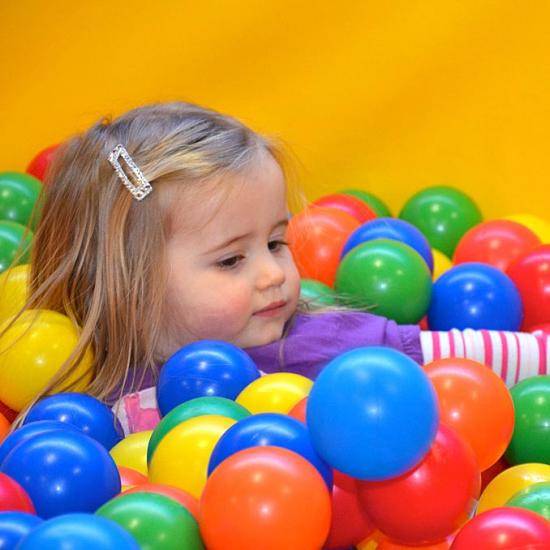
{"points": [[227, 261]]}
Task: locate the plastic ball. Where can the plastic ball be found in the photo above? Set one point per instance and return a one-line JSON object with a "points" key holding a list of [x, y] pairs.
{"points": [[78, 532], [15, 244], [189, 502], [155, 521], [13, 497], [278, 393], [531, 275], [299, 410], [317, 294], [377, 205], [351, 205], [269, 429], [268, 498], [475, 402], [531, 438], [13, 290], [432, 500], [131, 452], [476, 296], [372, 413], [28, 431], [511, 481], [349, 524], [199, 406], [39, 165], [5, 426], [395, 230], [19, 194], [130, 477], [87, 413], [8, 413], [495, 242], [206, 368], [388, 277], [15, 526], [181, 458], [317, 237], [443, 214], [32, 351], [504, 529], [536, 498], [63, 471]]}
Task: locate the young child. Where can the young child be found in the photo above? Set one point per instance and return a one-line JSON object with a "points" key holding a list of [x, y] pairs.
{"points": [[167, 226]]}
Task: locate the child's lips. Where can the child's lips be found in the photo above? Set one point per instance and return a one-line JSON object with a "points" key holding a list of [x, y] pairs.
{"points": [[272, 310]]}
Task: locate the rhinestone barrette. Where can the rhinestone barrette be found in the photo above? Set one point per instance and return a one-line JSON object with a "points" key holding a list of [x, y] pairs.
{"points": [[140, 189]]}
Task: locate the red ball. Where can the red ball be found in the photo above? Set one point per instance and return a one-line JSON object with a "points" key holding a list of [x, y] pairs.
{"points": [[351, 205], [317, 237], [8, 413], [265, 497], [531, 275], [490, 473], [502, 529], [350, 524], [431, 501], [13, 498], [496, 242], [41, 162], [299, 410]]}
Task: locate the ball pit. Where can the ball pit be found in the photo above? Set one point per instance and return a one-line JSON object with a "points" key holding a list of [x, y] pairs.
{"points": [[14, 526]]}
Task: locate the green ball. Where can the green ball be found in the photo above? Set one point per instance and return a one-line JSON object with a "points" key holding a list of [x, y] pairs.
{"points": [[380, 208], [443, 214], [531, 437], [155, 521], [190, 409], [19, 193], [536, 498], [387, 277], [13, 241], [317, 294]]}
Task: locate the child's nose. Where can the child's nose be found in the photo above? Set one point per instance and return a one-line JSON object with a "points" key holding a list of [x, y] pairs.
{"points": [[270, 274]]}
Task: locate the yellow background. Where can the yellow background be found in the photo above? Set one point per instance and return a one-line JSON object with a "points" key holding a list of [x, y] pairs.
{"points": [[386, 95]]}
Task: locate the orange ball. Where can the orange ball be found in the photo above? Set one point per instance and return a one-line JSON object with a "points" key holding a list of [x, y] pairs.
{"points": [[265, 497], [475, 402], [130, 477], [317, 237]]}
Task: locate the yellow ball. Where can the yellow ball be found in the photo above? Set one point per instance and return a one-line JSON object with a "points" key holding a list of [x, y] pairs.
{"points": [[276, 393], [131, 452], [13, 290], [31, 352], [182, 456], [539, 226], [504, 486], [441, 264]]}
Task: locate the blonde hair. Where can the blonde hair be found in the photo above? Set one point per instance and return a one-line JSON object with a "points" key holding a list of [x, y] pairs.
{"points": [[98, 254]]}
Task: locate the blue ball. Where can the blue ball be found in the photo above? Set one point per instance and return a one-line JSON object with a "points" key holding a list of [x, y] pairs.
{"points": [[15, 526], [208, 368], [396, 230], [269, 429], [372, 413], [85, 412], [79, 532], [62, 472], [30, 430], [475, 295]]}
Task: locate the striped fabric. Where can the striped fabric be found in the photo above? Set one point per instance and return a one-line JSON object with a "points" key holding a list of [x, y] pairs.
{"points": [[514, 356]]}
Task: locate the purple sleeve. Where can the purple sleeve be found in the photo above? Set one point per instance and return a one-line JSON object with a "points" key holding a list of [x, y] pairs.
{"points": [[313, 340]]}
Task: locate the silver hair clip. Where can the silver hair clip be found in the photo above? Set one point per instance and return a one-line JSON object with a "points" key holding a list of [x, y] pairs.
{"points": [[143, 187]]}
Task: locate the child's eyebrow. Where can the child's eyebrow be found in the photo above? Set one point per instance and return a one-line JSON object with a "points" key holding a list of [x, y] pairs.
{"points": [[230, 241]]}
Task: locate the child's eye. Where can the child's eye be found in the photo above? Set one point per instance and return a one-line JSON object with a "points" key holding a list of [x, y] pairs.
{"points": [[230, 263], [276, 245]]}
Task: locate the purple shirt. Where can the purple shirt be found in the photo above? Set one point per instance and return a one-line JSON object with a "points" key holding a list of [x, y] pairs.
{"points": [[315, 339]]}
